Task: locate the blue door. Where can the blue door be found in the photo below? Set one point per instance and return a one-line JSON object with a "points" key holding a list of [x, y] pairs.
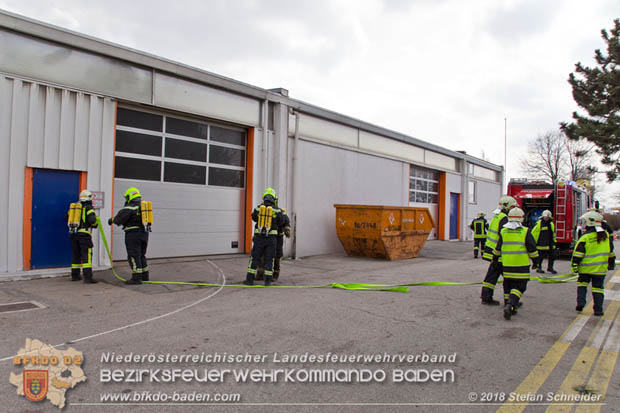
{"points": [[52, 192], [454, 215]]}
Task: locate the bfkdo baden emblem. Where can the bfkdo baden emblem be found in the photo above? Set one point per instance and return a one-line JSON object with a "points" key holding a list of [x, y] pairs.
{"points": [[36, 384]]}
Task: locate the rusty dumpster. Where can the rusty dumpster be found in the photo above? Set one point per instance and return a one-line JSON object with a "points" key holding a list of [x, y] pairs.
{"points": [[383, 231]]}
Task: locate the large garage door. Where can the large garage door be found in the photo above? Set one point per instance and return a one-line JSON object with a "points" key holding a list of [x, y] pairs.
{"points": [[194, 173], [424, 192]]}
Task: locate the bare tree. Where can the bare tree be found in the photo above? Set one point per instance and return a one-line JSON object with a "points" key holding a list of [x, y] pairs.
{"points": [[579, 159], [545, 156]]}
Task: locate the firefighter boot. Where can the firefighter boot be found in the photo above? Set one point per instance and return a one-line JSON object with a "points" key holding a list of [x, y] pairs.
{"points": [[581, 297], [268, 280], [508, 311], [598, 299], [249, 279], [135, 279], [145, 276], [75, 274], [88, 276]]}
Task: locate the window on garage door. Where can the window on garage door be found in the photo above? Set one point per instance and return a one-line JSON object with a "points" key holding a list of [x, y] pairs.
{"points": [[168, 148], [423, 185]]}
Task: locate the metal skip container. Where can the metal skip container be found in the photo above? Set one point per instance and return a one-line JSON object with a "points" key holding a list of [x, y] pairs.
{"points": [[387, 232]]}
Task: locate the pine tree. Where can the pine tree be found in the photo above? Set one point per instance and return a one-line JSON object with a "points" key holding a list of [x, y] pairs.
{"points": [[597, 90]]}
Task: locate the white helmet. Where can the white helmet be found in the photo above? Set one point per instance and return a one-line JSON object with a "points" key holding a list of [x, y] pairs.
{"points": [[515, 214], [592, 219], [547, 214], [481, 214], [86, 195], [507, 202]]}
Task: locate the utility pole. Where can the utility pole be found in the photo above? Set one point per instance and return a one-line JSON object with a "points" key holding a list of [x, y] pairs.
{"points": [[505, 146]]}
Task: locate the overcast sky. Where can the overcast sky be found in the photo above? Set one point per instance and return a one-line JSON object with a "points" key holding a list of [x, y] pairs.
{"points": [[444, 71]]}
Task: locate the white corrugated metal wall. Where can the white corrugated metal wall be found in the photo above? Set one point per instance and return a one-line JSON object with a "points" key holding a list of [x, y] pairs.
{"points": [[49, 127]]}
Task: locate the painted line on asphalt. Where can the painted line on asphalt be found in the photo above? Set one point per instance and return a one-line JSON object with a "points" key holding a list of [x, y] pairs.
{"points": [[577, 376], [148, 320], [615, 279], [539, 374], [604, 369], [575, 329]]}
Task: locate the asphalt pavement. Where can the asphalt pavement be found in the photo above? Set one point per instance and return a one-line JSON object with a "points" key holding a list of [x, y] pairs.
{"points": [[435, 348]]}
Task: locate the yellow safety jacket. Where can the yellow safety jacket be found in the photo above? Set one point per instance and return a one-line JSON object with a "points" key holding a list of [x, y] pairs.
{"points": [[589, 256], [516, 250], [492, 236], [537, 231]]}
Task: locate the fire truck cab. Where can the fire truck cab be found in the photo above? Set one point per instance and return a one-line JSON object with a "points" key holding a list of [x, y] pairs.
{"points": [[567, 200]]}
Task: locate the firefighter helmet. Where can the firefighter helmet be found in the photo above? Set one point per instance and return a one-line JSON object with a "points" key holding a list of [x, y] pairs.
{"points": [[515, 214], [270, 191], [481, 214], [592, 219], [507, 202], [547, 214], [86, 195], [132, 193]]}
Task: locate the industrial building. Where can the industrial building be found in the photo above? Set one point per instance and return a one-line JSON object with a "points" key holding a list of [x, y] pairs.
{"points": [[78, 112]]}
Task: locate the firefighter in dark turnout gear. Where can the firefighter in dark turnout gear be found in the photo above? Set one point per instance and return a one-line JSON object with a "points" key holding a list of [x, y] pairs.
{"points": [[268, 218], [506, 203], [591, 259], [515, 246], [544, 235], [82, 241], [136, 235], [480, 227], [284, 229]]}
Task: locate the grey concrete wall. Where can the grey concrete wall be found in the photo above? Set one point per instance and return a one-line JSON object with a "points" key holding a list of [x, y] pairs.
{"points": [[488, 194], [331, 175], [53, 128]]}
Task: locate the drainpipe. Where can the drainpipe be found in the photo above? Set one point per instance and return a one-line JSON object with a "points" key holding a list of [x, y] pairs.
{"points": [[265, 146], [295, 195]]}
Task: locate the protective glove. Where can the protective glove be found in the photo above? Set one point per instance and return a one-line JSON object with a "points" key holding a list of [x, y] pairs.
{"points": [[611, 264], [110, 221], [287, 232]]}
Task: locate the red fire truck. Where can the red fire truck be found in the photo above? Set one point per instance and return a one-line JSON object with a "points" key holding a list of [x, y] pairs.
{"points": [[567, 200]]}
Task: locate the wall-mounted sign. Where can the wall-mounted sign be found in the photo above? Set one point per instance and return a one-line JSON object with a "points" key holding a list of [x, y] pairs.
{"points": [[98, 200]]}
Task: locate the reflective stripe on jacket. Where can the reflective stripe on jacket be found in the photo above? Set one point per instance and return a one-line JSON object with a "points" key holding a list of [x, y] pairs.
{"points": [[590, 256], [516, 247]]}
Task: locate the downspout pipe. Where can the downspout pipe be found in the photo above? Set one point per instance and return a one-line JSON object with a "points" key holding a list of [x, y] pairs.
{"points": [[295, 195]]}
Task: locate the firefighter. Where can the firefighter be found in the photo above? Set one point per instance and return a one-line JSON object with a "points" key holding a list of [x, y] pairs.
{"points": [[480, 227], [515, 246], [592, 257], [268, 218], [82, 240], [284, 229], [136, 235], [546, 242], [506, 203], [605, 225]]}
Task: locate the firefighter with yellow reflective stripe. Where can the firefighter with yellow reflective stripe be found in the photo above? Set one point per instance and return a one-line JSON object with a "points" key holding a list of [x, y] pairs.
{"points": [[480, 227], [605, 225], [82, 241], [506, 203], [515, 247], [592, 257], [136, 235], [268, 219], [544, 235]]}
